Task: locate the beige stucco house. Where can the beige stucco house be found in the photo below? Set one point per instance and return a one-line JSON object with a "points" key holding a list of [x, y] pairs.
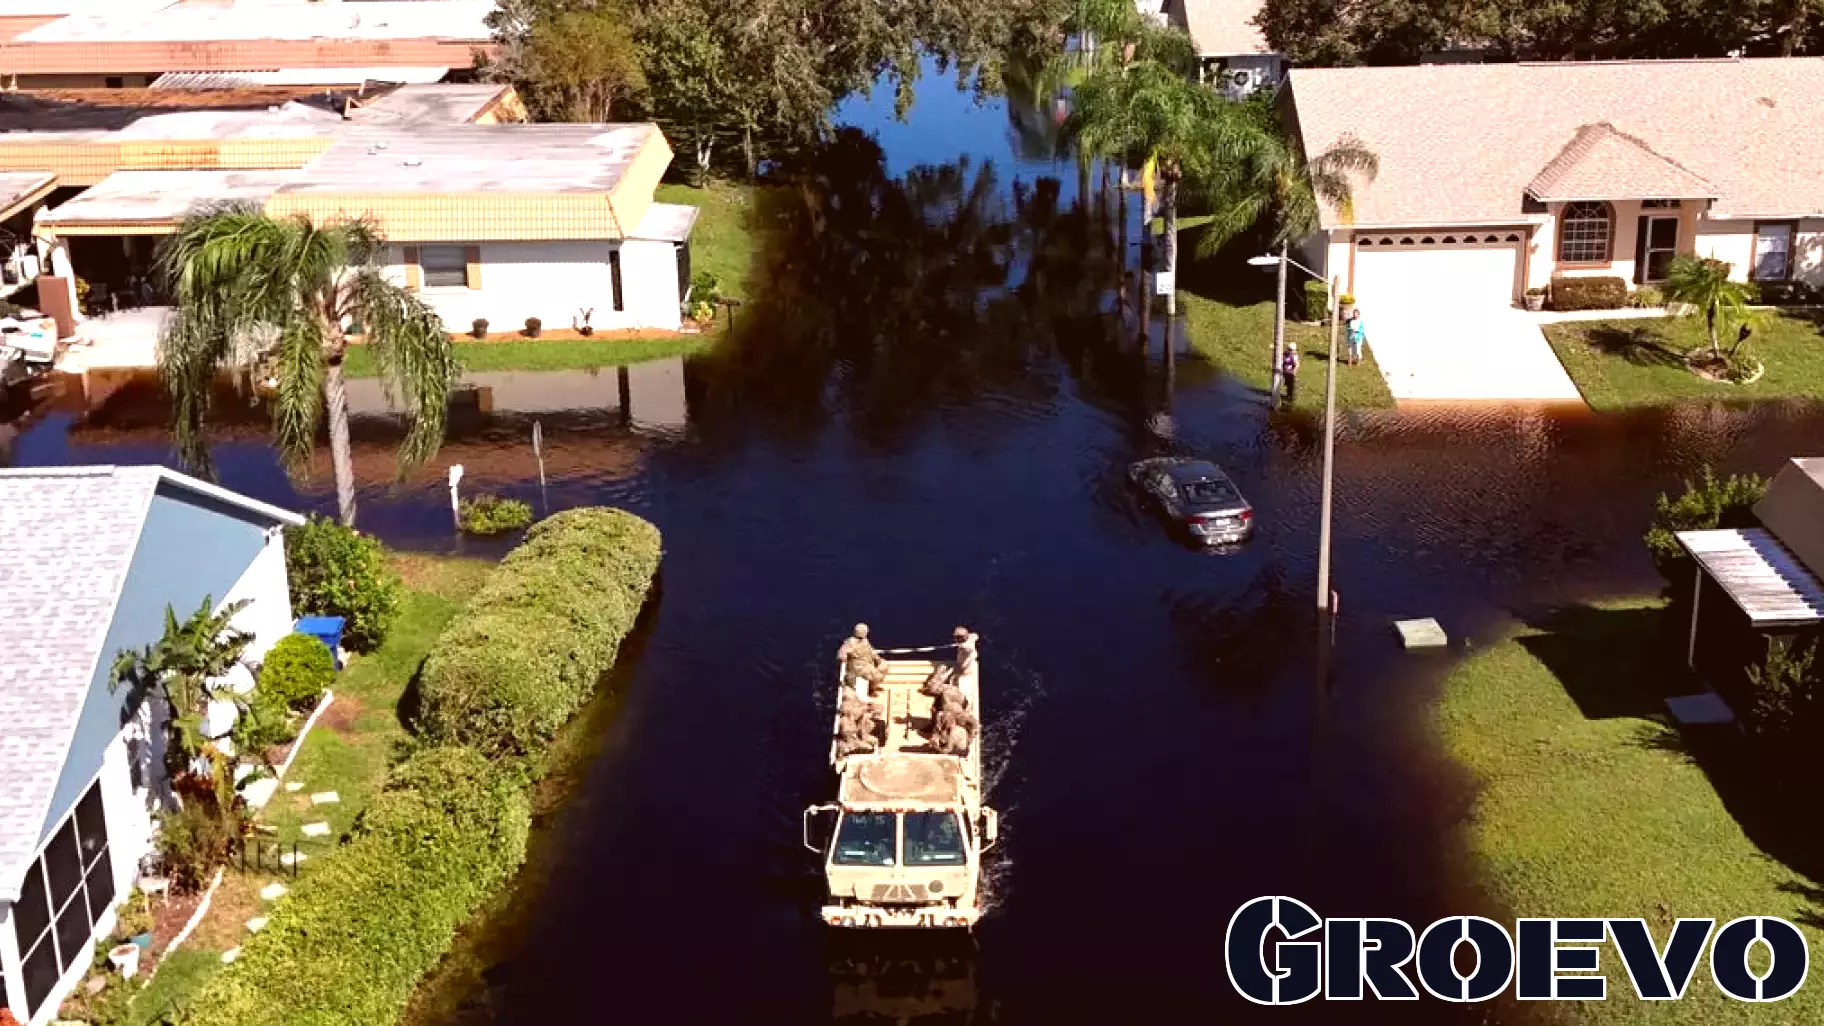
{"points": [[1495, 178]]}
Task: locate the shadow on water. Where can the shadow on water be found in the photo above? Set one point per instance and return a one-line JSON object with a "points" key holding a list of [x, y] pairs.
{"points": [[924, 417]]}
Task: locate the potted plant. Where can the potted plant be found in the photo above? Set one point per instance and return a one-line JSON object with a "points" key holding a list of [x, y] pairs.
{"points": [[533, 327], [125, 957], [1535, 298], [1347, 302], [478, 328]]}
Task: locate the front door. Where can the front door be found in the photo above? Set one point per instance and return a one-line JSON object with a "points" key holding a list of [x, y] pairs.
{"points": [[1659, 244]]}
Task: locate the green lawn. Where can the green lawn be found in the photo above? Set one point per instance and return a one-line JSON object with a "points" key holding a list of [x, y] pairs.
{"points": [[1590, 805], [1640, 362], [549, 354], [180, 975], [1239, 339], [726, 238]]}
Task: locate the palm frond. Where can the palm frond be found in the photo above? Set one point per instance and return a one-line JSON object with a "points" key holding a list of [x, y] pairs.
{"points": [[417, 364], [298, 366]]}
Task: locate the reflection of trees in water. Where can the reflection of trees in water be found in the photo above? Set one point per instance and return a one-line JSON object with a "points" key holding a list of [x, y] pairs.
{"points": [[887, 296], [915, 981]]}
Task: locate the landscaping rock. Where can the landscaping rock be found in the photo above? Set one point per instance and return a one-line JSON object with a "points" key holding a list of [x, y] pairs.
{"points": [[315, 830], [1423, 633]]}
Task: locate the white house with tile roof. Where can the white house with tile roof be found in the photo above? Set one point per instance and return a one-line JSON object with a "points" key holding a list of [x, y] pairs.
{"points": [[1495, 178], [90, 558], [1233, 54]]}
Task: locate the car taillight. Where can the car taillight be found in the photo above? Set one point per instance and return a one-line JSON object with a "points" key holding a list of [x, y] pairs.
{"points": [[1247, 515]]}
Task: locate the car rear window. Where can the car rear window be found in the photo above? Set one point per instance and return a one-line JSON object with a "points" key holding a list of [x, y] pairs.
{"points": [[1209, 491]]}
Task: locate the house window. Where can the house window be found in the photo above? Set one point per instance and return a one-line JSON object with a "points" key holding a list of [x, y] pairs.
{"points": [[614, 278], [65, 892], [1772, 251], [1583, 234], [444, 267]]}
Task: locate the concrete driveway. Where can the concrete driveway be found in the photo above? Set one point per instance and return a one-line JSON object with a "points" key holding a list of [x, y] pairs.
{"points": [[1466, 353]]}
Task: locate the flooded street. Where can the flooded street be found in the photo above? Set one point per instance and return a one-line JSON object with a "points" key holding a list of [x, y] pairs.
{"points": [[924, 419]]}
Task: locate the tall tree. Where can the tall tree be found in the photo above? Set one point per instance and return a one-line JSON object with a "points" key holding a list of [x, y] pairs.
{"points": [[586, 60], [282, 294]]}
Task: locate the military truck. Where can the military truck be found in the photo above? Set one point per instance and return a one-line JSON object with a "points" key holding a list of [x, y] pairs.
{"points": [[902, 844]]}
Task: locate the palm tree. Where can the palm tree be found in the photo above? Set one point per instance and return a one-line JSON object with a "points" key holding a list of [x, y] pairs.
{"points": [[1264, 172], [1151, 112], [283, 294], [1703, 285]]}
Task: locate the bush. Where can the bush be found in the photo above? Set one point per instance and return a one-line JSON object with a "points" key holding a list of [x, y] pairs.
{"points": [[534, 643], [265, 722], [705, 287], [1704, 506], [1602, 293], [1646, 298], [444, 835], [1787, 714], [1317, 300], [478, 328], [533, 327], [1787, 293], [297, 670], [336, 571], [193, 839], [491, 514]]}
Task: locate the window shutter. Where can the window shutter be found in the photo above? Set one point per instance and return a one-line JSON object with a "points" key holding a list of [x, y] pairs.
{"points": [[414, 276], [472, 254], [1640, 250]]}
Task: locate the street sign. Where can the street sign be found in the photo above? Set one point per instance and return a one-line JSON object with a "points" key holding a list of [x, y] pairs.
{"points": [[1163, 283]]}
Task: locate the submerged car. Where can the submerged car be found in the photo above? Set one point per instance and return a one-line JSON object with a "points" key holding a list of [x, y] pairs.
{"points": [[1196, 496]]}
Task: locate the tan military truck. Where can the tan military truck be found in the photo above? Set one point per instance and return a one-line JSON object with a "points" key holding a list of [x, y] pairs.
{"points": [[902, 844]]}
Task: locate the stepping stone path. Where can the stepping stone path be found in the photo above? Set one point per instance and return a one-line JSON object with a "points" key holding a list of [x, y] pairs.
{"points": [[230, 955], [325, 798], [273, 891], [292, 858], [260, 792], [315, 830], [1421, 633], [256, 924], [295, 785]]}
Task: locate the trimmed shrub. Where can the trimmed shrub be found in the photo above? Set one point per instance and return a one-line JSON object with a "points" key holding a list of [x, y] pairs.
{"points": [[1646, 298], [478, 328], [533, 644], [1705, 505], [533, 327], [491, 514], [380, 911], [336, 571], [297, 671], [1603, 293], [1317, 300]]}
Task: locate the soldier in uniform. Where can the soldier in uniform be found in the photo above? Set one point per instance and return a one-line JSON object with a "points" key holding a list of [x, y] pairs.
{"points": [[855, 725], [965, 640], [859, 660]]}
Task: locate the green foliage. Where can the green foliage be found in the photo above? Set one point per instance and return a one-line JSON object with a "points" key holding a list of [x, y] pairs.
{"points": [[1787, 714], [195, 838], [337, 571], [583, 61], [705, 287], [445, 834], [297, 670], [491, 514], [1705, 505], [533, 645], [1646, 297], [184, 666], [249, 290], [264, 722], [1589, 293], [1317, 300], [1702, 284], [1259, 171]]}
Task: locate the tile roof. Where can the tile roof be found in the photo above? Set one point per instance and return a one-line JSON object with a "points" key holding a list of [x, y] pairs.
{"points": [[1220, 28], [174, 22], [67, 536], [1460, 143], [243, 79], [1600, 163]]}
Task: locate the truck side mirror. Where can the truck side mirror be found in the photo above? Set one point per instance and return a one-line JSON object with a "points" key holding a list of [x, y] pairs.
{"points": [[991, 828], [818, 821]]}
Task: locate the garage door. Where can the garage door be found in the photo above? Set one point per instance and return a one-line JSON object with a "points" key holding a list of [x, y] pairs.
{"points": [[1432, 270]]}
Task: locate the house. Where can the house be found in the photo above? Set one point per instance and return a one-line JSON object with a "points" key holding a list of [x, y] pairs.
{"points": [[90, 559], [1754, 586], [130, 43], [1496, 178], [1232, 53]]}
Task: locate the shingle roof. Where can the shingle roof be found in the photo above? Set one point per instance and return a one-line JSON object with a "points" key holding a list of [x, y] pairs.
{"points": [[67, 537], [1460, 143], [1602, 163], [1221, 28]]}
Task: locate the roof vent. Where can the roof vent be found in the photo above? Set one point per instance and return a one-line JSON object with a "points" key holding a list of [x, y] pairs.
{"points": [[413, 162]]}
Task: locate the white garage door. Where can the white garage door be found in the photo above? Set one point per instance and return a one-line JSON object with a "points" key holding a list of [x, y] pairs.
{"points": [[1432, 270]]}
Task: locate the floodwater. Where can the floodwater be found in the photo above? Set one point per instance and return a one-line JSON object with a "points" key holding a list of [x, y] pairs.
{"points": [[923, 420]]}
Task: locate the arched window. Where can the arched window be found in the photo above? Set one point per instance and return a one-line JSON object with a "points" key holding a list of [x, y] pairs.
{"points": [[1583, 233]]}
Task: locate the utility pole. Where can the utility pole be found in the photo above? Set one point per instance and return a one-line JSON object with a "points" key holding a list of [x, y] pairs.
{"points": [[1279, 325], [1323, 532]]}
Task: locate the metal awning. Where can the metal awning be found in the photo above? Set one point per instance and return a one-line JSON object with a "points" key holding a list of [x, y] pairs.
{"points": [[666, 222], [1773, 586]]}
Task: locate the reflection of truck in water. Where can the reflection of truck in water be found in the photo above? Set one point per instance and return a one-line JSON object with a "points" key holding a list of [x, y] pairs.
{"points": [[926, 988], [902, 844]]}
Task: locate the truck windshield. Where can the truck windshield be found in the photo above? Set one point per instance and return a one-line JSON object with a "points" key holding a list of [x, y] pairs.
{"points": [[934, 839], [865, 839]]}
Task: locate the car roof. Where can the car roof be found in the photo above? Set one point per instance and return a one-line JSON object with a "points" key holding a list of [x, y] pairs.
{"points": [[1183, 469]]}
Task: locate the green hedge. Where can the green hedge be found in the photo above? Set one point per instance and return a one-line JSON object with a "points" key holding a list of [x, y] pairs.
{"points": [[1317, 300], [296, 671], [349, 947], [535, 641], [1601, 293]]}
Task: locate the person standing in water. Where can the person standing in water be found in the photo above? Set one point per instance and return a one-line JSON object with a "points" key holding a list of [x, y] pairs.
{"points": [[1288, 369]]}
